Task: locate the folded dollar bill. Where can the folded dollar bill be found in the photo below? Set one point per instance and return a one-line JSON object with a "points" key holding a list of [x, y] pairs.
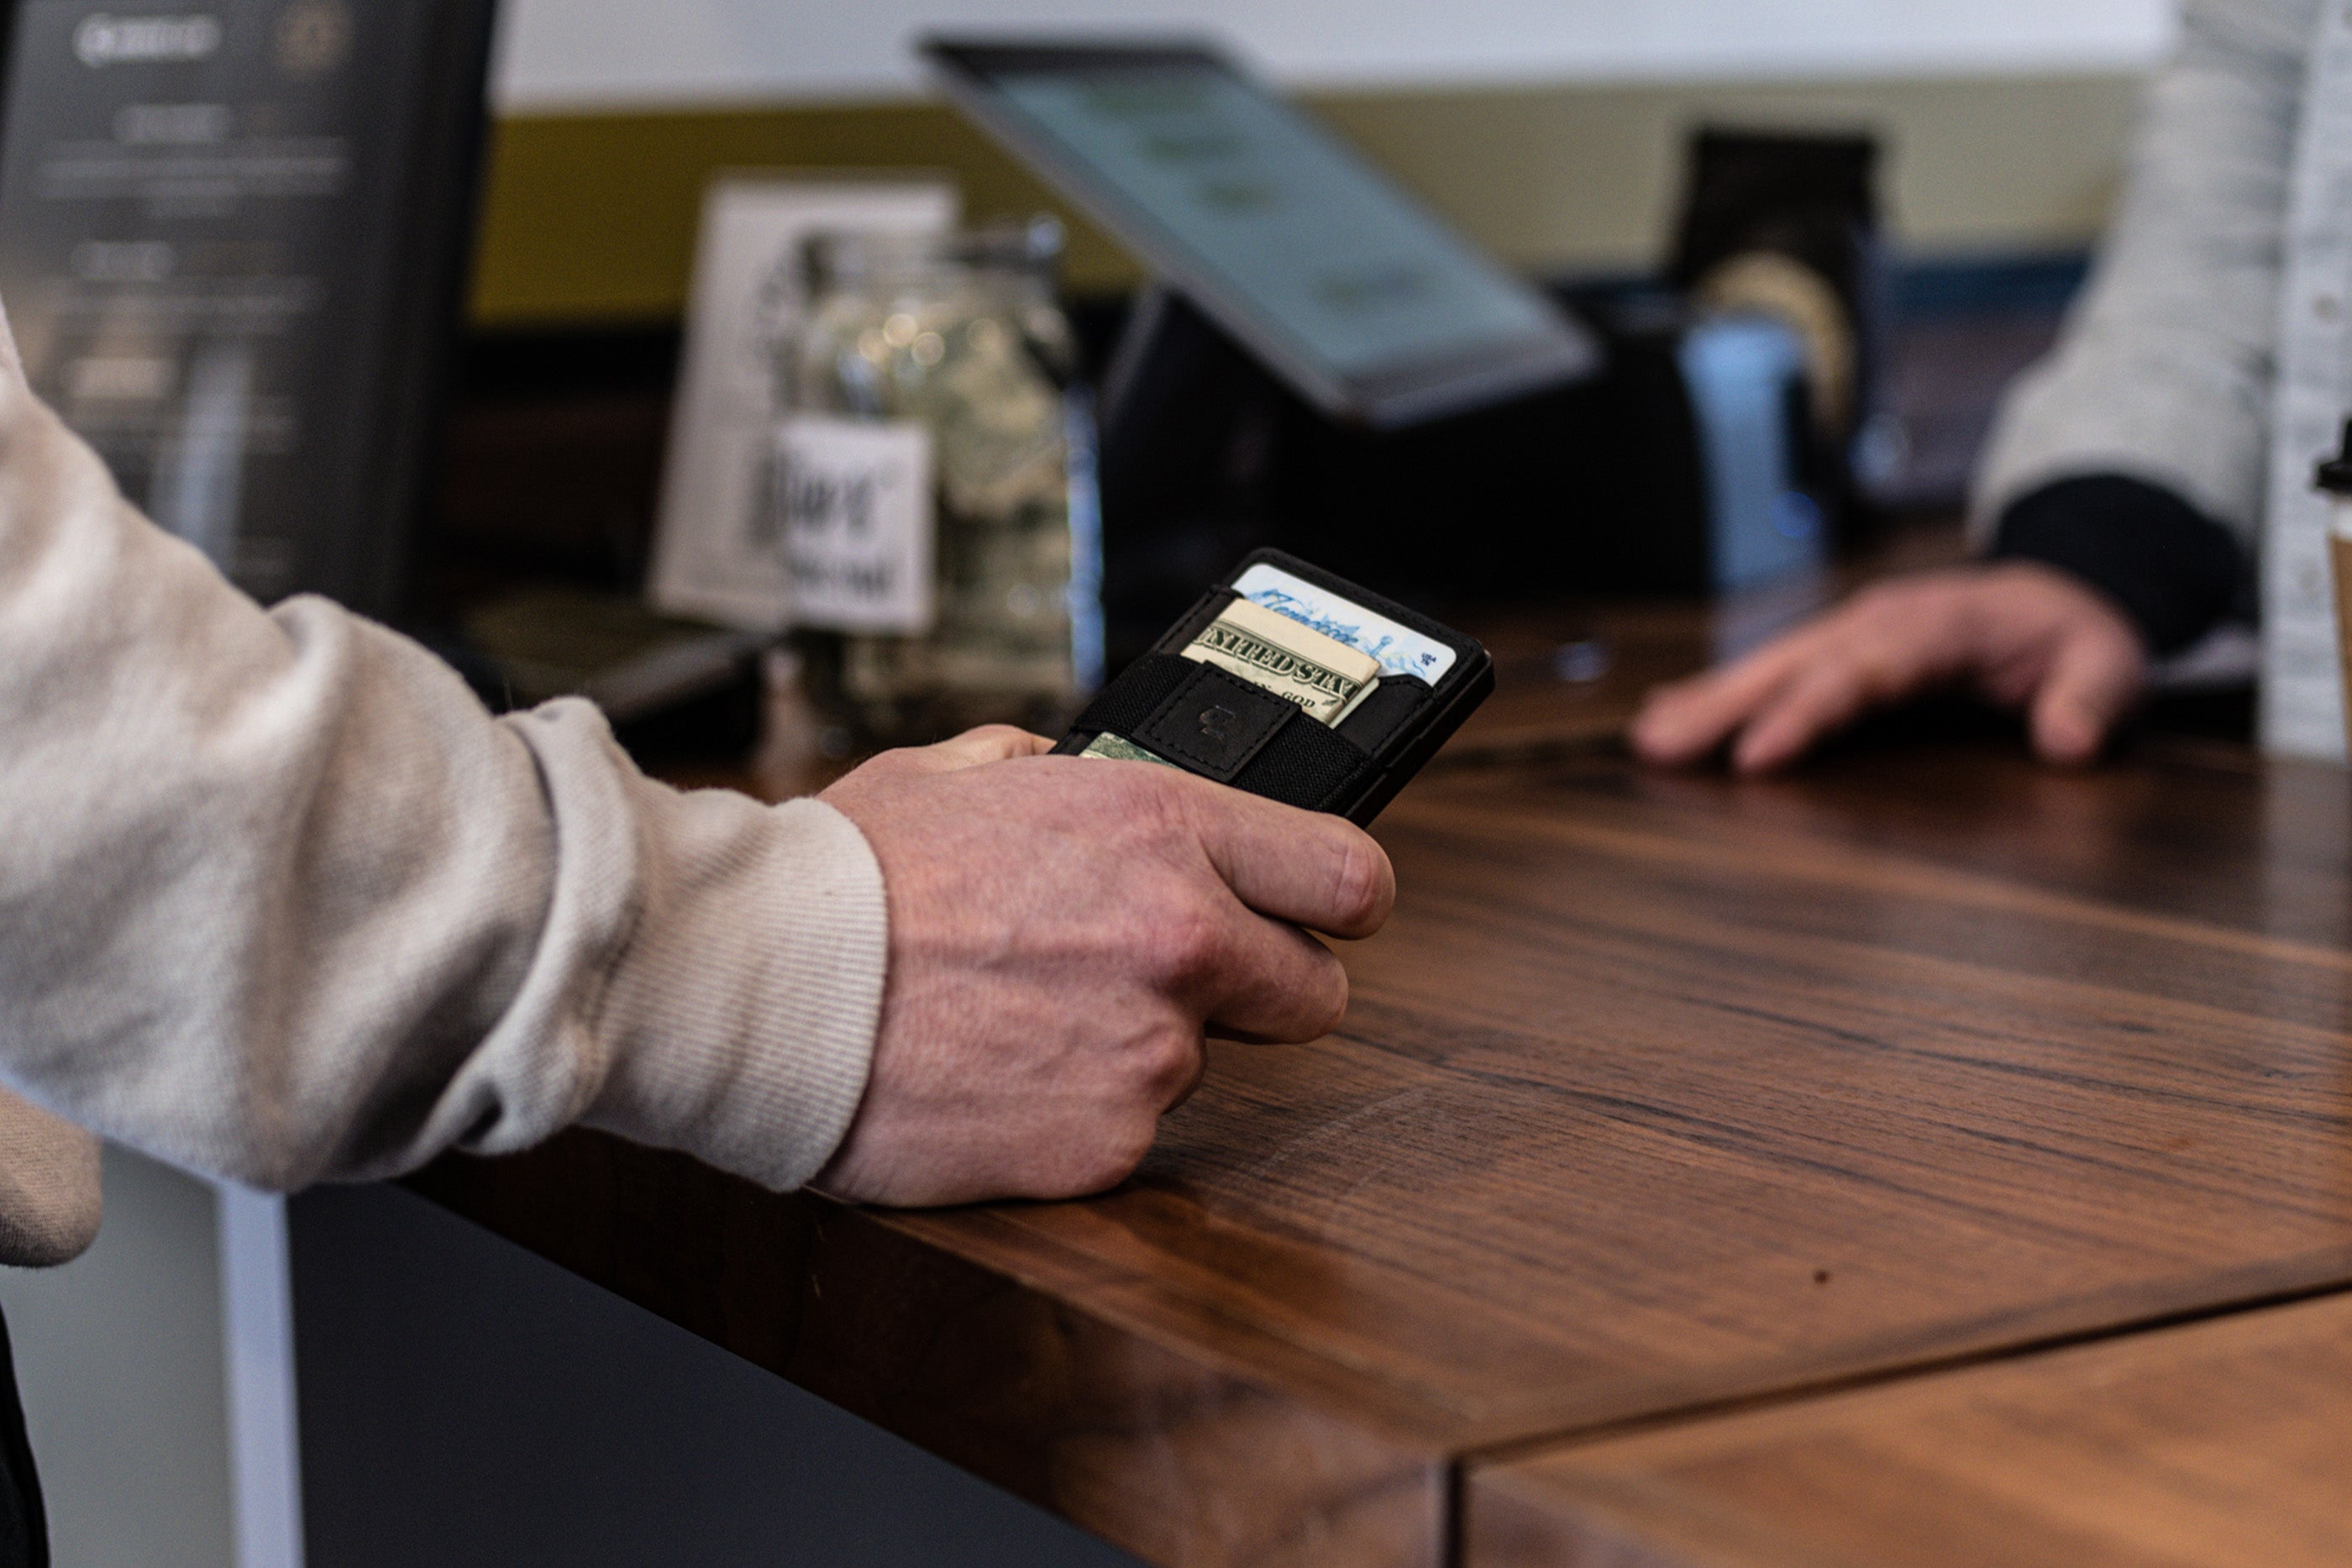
{"points": [[1294, 663]]}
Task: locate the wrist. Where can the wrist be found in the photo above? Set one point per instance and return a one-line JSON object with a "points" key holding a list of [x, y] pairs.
{"points": [[2168, 570], [738, 1024]]}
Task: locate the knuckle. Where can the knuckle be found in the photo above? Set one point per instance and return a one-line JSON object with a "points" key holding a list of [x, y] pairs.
{"points": [[1336, 1001], [1362, 881], [1169, 1060], [1317, 1006], [1141, 802], [1112, 1157], [1008, 739], [900, 762], [1184, 939], [1901, 607]]}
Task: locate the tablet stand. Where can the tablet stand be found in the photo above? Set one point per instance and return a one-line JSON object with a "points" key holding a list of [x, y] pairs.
{"points": [[1604, 486], [1188, 429]]}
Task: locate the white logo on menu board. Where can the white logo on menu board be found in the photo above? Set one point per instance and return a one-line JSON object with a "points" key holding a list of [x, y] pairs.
{"points": [[104, 41]]}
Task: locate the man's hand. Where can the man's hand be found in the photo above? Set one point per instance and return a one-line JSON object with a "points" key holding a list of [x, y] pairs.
{"points": [[2021, 634], [1061, 931]]}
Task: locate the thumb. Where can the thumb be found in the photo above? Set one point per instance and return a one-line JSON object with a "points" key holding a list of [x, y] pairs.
{"points": [[2092, 680]]}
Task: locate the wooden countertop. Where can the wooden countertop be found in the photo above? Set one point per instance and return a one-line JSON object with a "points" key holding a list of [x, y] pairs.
{"points": [[2225, 1442], [1660, 1095]]}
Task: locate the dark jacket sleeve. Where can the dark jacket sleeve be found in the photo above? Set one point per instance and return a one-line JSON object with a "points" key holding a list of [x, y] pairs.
{"points": [[2173, 571]]}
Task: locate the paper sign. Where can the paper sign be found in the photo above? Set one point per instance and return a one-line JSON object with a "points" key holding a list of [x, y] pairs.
{"points": [[854, 499], [715, 552]]}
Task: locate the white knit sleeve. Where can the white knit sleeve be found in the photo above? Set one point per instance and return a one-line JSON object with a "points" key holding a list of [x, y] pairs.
{"points": [[2164, 371], [281, 901]]}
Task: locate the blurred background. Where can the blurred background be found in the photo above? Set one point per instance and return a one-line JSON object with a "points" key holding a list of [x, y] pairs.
{"points": [[1559, 138], [1551, 133]]}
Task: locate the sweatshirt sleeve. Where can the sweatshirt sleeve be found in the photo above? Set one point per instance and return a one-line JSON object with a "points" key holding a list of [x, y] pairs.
{"points": [[281, 902], [2164, 371]]}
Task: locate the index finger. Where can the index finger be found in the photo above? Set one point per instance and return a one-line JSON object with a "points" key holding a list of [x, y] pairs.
{"points": [[1692, 716], [975, 747], [1307, 867]]}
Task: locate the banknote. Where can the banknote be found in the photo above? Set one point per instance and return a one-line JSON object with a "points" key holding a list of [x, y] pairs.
{"points": [[1294, 661], [1121, 750], [1400, 650]]}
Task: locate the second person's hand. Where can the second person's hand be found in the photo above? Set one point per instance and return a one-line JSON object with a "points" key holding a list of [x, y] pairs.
{"points": [[2020, 635]]}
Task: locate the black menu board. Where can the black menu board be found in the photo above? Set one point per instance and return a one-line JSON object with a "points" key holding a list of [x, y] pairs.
{"points": [[232, 242]]}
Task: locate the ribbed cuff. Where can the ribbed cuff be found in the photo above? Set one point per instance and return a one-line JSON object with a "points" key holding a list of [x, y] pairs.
{"points": [[2171, 569], [740, 1019], [49, 1195]]}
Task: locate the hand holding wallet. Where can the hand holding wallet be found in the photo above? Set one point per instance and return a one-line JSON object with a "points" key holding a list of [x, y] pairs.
{"points": [[1293, 684]]}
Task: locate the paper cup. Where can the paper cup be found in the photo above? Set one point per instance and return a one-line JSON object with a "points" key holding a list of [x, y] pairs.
{"points": [[2340, 555]]}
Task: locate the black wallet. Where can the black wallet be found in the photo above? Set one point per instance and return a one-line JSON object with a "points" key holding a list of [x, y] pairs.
{"points": [[1204, 720]]}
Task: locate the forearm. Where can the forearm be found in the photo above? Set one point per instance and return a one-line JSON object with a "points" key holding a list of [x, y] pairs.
{"points": [[2163, 373], [278, 899]]}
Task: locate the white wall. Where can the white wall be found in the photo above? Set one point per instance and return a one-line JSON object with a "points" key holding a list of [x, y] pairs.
{"points": [[591, 52]]}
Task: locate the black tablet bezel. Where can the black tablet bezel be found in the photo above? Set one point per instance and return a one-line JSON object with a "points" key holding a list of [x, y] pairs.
{"points": [[1393, 396]]}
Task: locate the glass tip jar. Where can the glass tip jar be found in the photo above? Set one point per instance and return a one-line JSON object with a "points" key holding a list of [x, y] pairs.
{"points": [[934, 481]]}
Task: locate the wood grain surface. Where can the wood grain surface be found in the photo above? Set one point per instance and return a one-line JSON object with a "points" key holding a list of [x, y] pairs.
{"points": [[2227, 1444], [1659, 1094]]}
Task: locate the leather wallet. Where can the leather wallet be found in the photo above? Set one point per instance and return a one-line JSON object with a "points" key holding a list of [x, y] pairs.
{"points": [[1204, 720]]}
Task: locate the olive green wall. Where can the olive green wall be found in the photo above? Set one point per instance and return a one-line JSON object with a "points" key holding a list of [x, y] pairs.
{"points": [[591, 217]]}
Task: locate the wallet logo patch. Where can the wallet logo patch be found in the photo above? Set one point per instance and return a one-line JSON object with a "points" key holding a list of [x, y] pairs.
{"points": [[1213, 722]]}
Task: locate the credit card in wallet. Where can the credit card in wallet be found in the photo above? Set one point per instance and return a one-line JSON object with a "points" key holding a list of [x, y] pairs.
{"points": [[1399, 649], [1291, 652], [1269, 649]]}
